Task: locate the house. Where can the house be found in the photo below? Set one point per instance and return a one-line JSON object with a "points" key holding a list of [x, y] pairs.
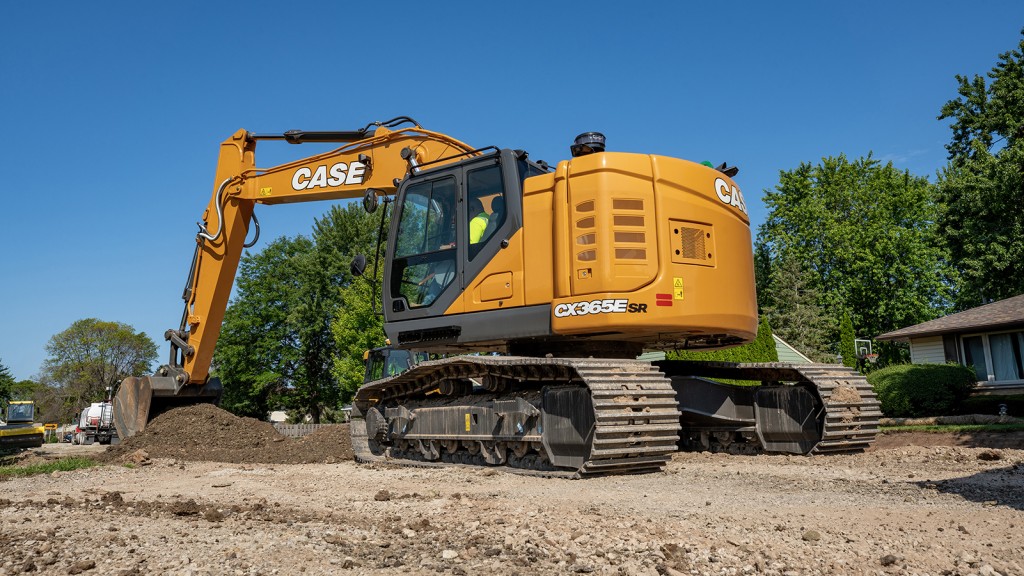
{"points": [[990, 338], [789, 354]]}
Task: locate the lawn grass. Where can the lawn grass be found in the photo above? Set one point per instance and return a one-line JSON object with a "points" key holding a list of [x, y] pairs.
{"points": [[62, 465], [955, 428]]}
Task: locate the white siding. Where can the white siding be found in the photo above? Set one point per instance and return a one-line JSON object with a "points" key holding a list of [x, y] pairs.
{"points": [[927, 350]]}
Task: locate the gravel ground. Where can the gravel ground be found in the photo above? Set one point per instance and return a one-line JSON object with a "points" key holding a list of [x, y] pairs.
{"points": [[900, 509]]}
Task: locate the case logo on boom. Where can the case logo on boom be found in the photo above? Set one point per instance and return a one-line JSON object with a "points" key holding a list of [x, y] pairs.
{"points": [[730, 194], [322, 177]]}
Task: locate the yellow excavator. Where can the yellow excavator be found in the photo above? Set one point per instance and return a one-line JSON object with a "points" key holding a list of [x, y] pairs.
{"points": [[539, 286]]}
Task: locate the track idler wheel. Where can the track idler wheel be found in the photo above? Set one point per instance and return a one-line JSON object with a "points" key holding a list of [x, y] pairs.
{"points": [[429, 449], [376, 430], [494, 453]]}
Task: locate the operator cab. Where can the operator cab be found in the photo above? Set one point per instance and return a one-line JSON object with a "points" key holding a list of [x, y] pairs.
{"points": [[449, 222], [20, 412], [387, 362]]}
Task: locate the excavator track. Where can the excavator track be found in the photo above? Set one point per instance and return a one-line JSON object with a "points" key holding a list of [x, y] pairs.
{"points": [[555, 417], [852, 409], [845, 415]]}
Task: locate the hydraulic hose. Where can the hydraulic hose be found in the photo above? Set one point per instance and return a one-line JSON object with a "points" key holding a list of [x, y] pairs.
{"points": [[203, 232]]}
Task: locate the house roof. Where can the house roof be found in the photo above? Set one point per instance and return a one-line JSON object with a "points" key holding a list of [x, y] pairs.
{"points": [[1001, 314], [787, 353]]}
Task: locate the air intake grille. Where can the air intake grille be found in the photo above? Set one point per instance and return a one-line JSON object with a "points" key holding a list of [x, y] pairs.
{"points": [[692, 243]]}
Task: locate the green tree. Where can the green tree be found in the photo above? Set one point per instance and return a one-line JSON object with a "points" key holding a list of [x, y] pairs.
{"points": [[277, 347], [6, 383], [257, 356], [26, 389], [982, 187], [847, 341], [866, 233], [89, 357], [355, 325], [790, 303], [357, 328], [329, 300]]}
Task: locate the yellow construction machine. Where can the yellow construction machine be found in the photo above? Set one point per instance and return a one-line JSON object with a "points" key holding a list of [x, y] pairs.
{"points": [[557, 278], [20, 430]]}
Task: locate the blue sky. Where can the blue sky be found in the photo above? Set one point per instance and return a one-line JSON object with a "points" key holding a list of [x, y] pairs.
{"points": [[113, 111]]}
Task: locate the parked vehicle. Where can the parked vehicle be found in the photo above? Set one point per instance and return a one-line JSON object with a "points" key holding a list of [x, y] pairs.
{"points": [[96, 424], [19, 430]]}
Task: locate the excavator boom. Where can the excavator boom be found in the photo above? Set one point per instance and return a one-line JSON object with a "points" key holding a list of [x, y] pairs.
{"points": [[370, 160]]}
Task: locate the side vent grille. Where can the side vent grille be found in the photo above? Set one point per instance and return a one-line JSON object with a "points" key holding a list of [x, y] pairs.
{"points": [[613, 234], [630, 224], [692, 243]]}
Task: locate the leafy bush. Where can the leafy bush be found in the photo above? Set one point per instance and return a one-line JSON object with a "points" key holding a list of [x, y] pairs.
{"points": [[919, 390], [762, 349], [990, 405]]}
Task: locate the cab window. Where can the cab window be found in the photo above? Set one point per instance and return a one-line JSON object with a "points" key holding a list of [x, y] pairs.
{"points": [[376, 367], [424, 262], [485, 208]]}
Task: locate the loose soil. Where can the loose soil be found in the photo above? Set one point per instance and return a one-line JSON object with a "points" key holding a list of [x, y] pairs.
{"points": [[1013, 440], [204, 492], [203, 432]]}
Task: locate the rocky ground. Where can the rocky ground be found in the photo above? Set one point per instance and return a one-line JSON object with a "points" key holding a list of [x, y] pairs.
{"points": [[898, 509]]}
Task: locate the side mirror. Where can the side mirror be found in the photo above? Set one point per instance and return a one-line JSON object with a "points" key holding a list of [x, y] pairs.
{"points": [[370, 201], [358, 265]]}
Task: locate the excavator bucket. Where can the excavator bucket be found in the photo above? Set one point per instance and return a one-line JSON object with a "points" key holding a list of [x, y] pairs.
{"points": [[139, 400]]}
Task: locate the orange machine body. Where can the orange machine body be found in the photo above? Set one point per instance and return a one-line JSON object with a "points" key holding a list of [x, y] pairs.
{"points": [[628, 247]]}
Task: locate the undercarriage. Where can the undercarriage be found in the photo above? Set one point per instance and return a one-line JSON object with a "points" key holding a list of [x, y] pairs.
{"points": [[584, 417]]}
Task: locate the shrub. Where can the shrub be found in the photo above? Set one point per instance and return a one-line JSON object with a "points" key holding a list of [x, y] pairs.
{"points": [[762, 349], [919, 390], [989, 404]]}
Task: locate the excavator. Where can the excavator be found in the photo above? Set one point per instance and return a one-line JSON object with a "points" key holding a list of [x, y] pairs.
{"points": [[534, 288]]}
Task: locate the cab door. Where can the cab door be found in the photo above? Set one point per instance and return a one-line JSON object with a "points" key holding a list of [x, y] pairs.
{"points": [[422, 274], [449, 222]]}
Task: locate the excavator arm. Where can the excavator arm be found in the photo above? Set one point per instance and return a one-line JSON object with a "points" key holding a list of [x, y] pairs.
{"points": [[372, 160]]}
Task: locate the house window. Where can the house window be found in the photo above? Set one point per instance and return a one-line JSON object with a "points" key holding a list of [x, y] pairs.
{"points": [[974, 354], [1006, 352], [996, 357]]}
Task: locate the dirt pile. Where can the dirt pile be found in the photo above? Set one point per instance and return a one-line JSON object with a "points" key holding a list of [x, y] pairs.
{"points": [[204, 432]]}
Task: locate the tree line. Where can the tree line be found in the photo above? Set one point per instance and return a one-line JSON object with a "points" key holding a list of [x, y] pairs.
{"points": [[849, 246], [888, 249], [293, 335], [84, 364]]}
